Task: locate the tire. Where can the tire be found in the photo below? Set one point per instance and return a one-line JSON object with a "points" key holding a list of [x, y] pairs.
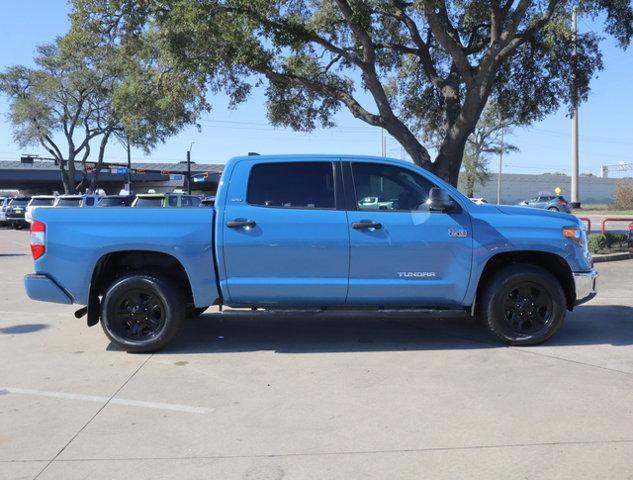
{"points": [[553, 209], [523, 305], [142, 312], [194, 312]]}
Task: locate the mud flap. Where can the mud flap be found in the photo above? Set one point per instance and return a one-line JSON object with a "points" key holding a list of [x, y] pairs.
{"points": [[94, 310]]}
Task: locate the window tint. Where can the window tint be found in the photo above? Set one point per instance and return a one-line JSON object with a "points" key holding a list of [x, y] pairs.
{"points": [[22, 202], [292, 185], [68, 202], [41, 202], [149, 202], [172, 201], [385, 187]]}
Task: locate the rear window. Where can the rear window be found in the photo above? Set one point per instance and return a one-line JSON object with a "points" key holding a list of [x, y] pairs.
{"points": [[41, 202], [68, 202], [292, 185], [113, 202], [149, 202], [19, 202]]}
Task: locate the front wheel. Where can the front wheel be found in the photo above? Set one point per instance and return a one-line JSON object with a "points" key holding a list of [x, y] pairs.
{"points": [[553, 209], [142, 312], [523, 305]]}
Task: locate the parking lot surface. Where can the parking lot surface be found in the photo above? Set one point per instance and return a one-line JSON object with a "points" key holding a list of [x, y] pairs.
{"points": [[314, 396]]}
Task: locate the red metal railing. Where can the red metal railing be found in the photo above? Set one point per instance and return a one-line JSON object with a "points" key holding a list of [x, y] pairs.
{"points": [[588, 220], [614, 219]]}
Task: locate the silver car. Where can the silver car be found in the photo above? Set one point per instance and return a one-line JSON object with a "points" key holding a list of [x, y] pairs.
{"points": [[555, 203]]}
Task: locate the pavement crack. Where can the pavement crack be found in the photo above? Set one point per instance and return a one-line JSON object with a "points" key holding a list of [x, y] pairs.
{"points": [[94, 416]]}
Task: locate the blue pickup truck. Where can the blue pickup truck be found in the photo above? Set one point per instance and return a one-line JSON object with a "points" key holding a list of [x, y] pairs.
{"points": [[316, 232]]}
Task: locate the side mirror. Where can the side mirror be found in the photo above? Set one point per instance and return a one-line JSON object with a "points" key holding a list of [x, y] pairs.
{"points": [[439, 200]]}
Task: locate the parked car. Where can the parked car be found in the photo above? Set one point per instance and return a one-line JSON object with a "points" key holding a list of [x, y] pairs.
{"points": [[289, 232], [16, 210], [207, 202], [4, 203], [38, 201], [162, 200], [554, 203], [115, 201], [478, 201]]}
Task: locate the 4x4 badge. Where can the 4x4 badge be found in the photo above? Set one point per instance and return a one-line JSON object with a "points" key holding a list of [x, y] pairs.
{"points": [[454, 232]]}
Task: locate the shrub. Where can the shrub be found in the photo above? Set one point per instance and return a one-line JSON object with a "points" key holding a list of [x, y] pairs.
{"points": [[623, 197], [600, 242]]}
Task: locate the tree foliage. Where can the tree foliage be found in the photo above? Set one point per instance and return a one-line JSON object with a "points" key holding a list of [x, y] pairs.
{"points": [[424, 65], [83, 89]]}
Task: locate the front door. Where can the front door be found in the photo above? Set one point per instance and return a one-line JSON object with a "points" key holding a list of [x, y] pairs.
{"points": [[402, 253], [284, 240]]}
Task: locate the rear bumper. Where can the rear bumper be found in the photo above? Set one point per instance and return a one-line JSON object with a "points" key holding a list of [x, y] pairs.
{"points": [[42, 288], [585, 284]]}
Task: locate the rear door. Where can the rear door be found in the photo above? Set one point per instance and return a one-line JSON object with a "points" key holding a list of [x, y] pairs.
{"points": [[284, 236], [402, 253]]}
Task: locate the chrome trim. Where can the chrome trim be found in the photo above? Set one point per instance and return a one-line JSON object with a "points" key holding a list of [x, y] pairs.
{"points": [[585, 286]]}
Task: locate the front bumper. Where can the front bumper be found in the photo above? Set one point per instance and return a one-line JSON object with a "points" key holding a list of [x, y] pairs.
{"points": [[42, 288], [585, 285]]}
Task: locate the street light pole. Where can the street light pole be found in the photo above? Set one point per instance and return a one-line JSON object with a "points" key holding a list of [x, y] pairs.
{"points": [[129, 167], [575, 201], [500, 169], [189, 168]]}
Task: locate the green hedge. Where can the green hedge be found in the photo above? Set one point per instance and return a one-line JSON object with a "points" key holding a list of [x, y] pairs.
{"points": [[601, 242]]}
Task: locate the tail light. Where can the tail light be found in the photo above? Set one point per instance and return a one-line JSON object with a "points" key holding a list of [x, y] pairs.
{"points": [[38, 239]]}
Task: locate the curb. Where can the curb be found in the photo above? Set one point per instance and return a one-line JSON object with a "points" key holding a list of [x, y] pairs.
{"points": [[612, 257]]}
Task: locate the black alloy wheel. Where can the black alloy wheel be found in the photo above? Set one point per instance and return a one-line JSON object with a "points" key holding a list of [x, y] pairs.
{"points": [[527, 308], [142, 312]]}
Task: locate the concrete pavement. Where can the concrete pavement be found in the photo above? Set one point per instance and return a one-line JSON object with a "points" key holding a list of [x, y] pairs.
{"points": [[314, 396]]}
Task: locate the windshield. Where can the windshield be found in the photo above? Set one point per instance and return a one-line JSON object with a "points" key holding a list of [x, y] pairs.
{"points": [[68, 202], [114, 202], [41, 202], [149, 202]]}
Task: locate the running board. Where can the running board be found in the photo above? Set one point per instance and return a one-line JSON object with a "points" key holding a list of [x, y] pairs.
{"points": [[418, 312]]}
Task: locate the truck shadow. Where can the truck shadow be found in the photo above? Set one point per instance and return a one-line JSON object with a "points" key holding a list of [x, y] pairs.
{"points": [[356, 332]]}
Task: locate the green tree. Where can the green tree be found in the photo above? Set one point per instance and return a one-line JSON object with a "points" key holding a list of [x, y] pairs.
{"points": [[401, 65], [487, 140], [83, 90]]}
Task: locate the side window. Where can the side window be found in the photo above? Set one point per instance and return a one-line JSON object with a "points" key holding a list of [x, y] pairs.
{"points": [[185, 201], [292, 185], [172, 201], [385, 187], [194, 201], [89, 201]]}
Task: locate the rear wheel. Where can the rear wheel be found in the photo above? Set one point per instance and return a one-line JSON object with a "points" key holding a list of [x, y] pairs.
{"points": [[523, 305], [142, 312]]}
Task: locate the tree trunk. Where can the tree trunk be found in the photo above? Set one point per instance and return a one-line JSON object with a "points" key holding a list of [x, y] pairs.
{"points": [[102, 147], [449, 159]]}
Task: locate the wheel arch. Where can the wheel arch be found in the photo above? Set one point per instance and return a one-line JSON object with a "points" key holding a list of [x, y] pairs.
{"points": [[553, 263], [112, 265]]}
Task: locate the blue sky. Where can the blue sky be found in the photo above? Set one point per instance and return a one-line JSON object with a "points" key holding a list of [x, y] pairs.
{"points": [[606, 129]]}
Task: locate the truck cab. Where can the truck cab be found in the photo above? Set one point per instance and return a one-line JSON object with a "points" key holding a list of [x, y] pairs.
{"points": [[316, 231]]}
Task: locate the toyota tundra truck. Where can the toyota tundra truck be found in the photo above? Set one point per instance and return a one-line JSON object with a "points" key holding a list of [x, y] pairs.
{"points": [[298, 232]]}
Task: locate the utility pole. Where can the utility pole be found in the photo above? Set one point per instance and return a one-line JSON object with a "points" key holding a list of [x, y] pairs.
{"points": [[129, 167], [500, 168], [575, 201], [189, 168]]}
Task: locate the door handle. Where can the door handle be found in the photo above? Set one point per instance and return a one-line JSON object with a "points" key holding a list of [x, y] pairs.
{"points": [[366, 224], [241, 222]]}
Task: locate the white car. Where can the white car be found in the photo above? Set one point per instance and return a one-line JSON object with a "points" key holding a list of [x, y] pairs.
{"points": [[38, 201], [4, 202]]}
